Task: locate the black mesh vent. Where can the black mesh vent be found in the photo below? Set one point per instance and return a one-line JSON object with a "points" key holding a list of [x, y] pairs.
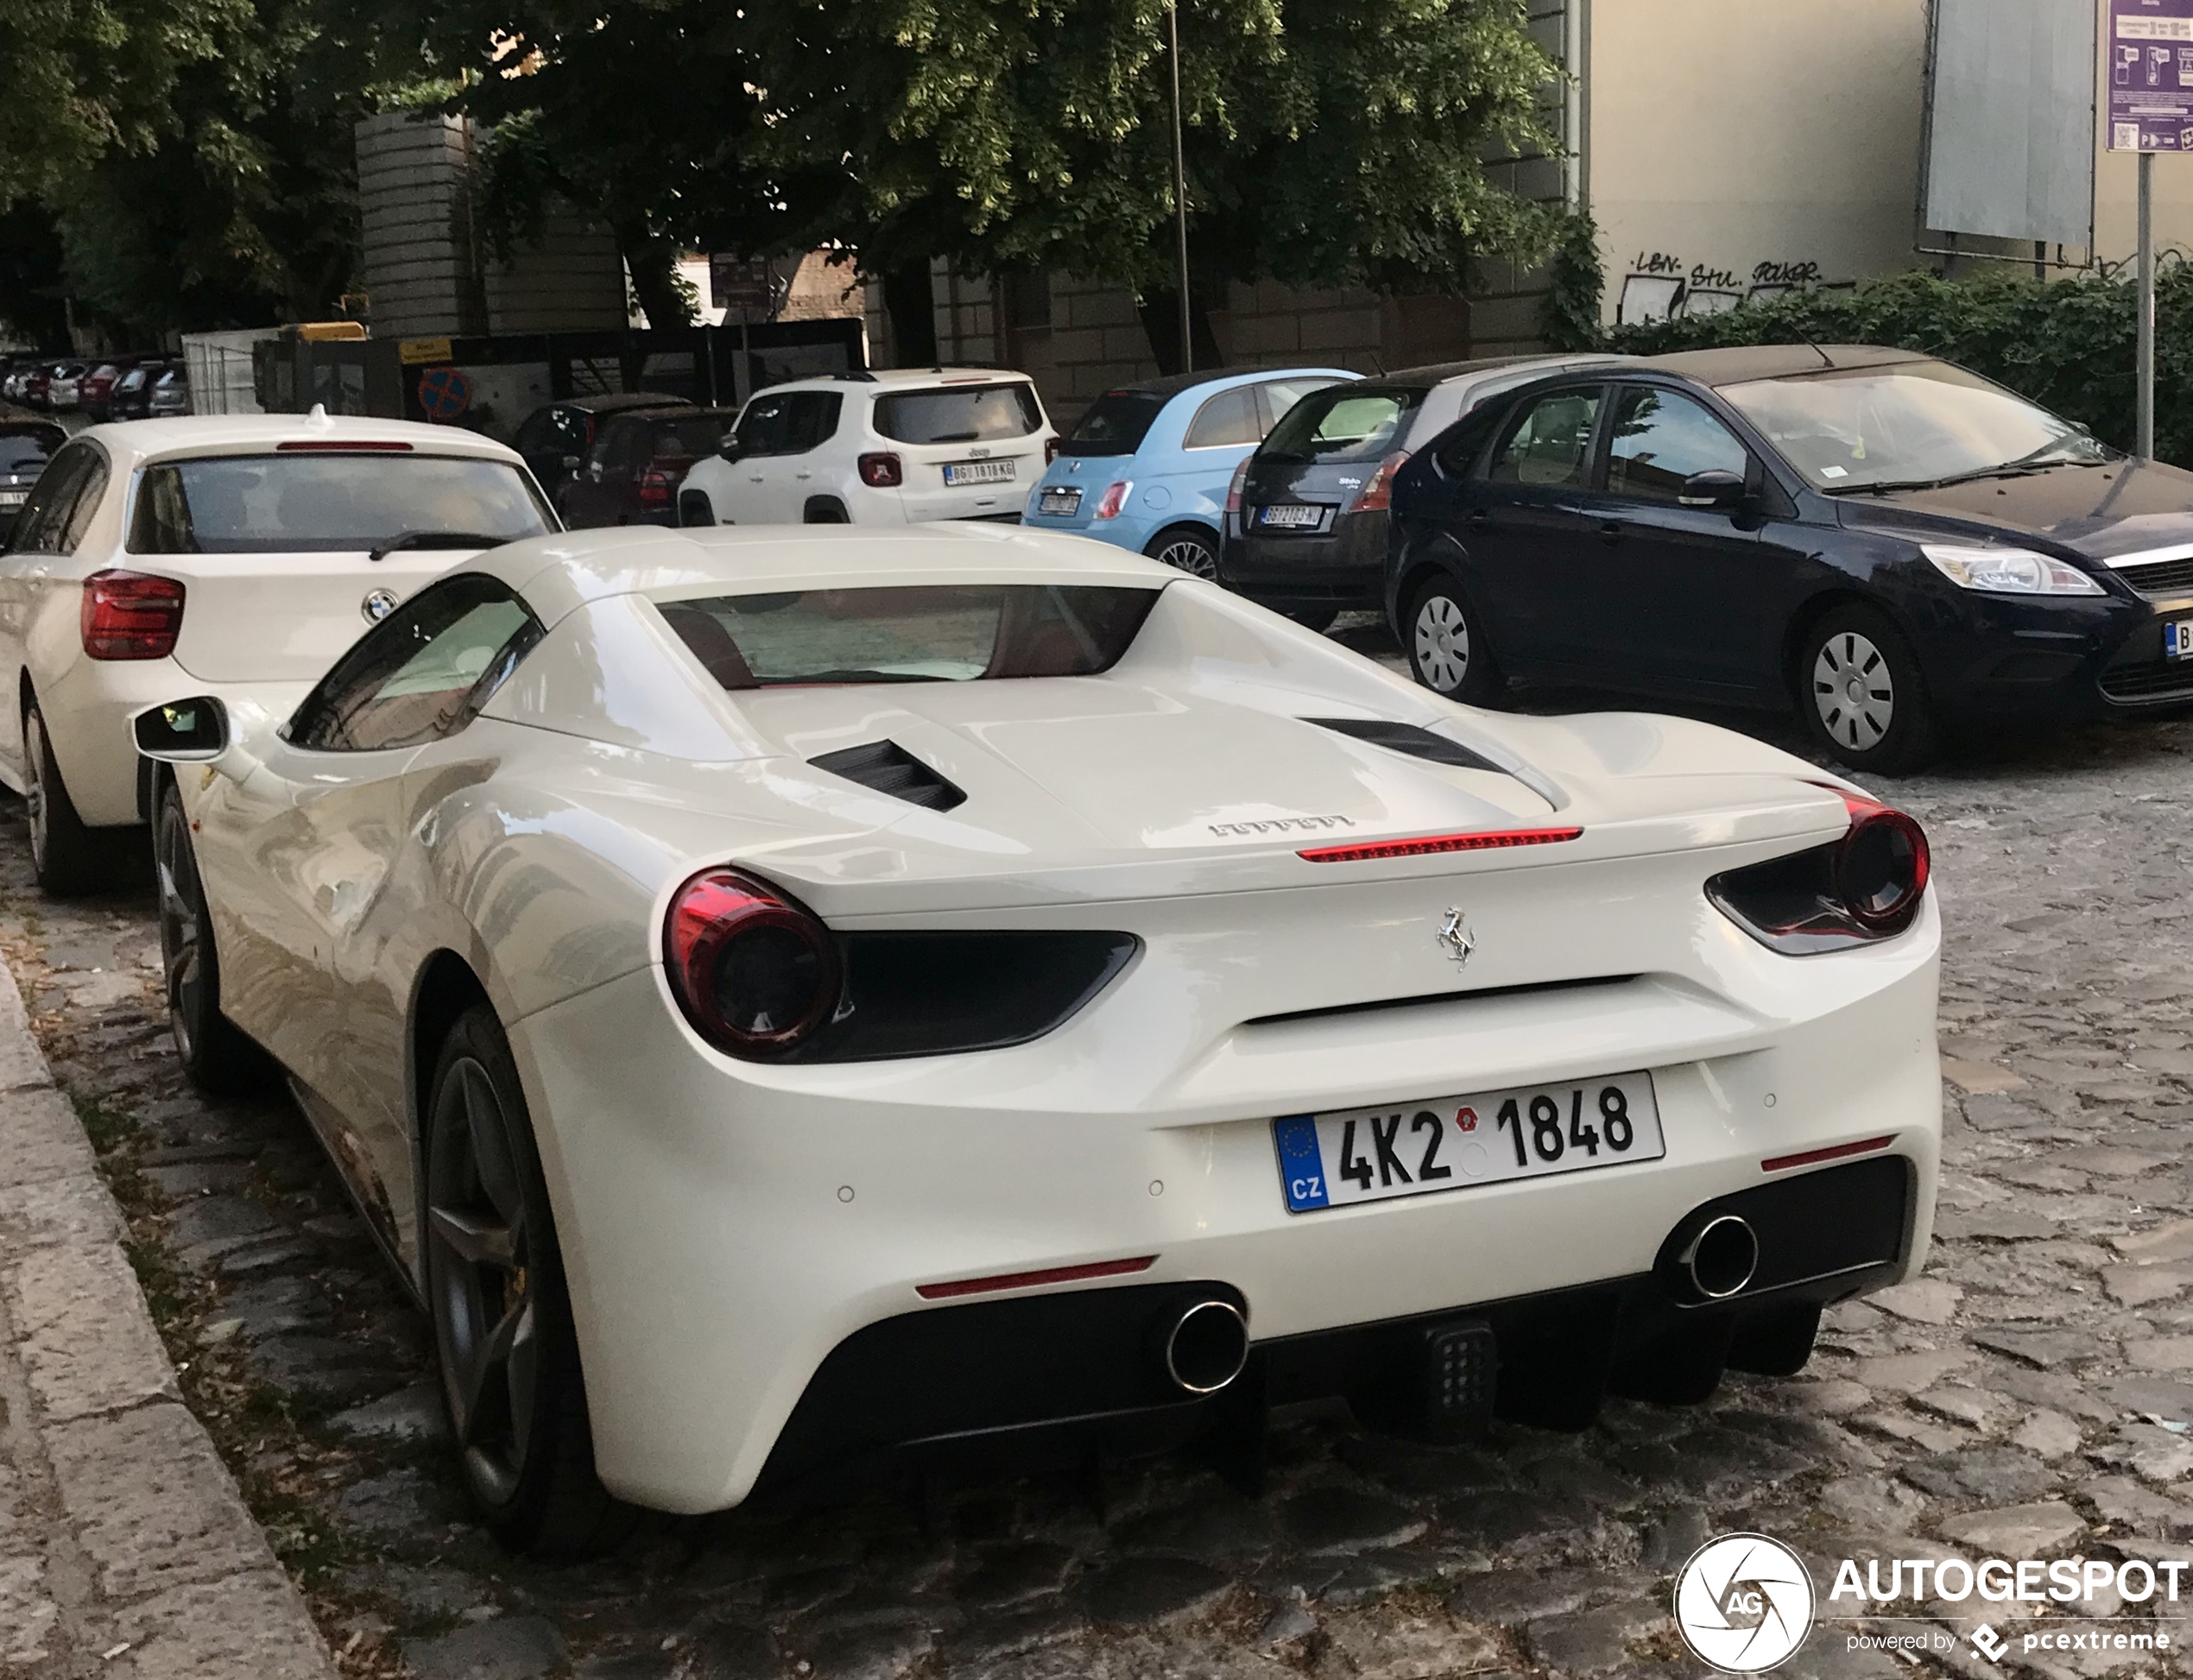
{"points": [[1408, 738], [889, 768]]}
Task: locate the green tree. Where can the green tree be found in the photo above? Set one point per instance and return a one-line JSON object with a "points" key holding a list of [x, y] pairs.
{"points": [[1328, 142], [81, 77]]}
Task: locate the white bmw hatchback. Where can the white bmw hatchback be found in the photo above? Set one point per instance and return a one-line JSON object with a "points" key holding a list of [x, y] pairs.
{"points": [[787, 997], [236, 555]]}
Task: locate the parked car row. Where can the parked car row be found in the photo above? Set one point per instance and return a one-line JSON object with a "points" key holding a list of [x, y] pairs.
{"points": [[121, 387], [1104, 1010]]}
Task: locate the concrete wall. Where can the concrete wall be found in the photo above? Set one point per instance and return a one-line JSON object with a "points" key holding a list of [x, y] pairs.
{"points": [[426, 273], [1736, 146]]}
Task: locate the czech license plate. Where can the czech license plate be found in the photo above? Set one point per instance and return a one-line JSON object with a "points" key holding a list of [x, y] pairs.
{"points": [[14, 498], [979, 472], [1289, 516], [1456, 1142], [2177, 638], [1059, 503]]}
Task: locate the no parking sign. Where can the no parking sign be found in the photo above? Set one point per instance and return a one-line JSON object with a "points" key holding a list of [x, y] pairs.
{"points": [[443, 393]]}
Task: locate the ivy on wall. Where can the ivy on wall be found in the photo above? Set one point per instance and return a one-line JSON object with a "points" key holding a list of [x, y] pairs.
{"points": [[2068, 344]]}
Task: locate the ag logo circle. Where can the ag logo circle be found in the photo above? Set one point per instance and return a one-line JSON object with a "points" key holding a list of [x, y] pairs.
{"points": [[1744, 1603]]}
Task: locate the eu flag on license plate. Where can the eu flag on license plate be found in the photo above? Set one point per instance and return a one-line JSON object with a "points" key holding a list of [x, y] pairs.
{"points": [[1302, 1167]]}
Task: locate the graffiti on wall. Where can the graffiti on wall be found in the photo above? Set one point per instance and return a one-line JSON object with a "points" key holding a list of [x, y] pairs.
{"points": [[1660, 286]]}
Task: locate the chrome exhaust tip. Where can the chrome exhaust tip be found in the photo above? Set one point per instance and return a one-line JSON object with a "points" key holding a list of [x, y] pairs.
{"points": [[1721, 1260], [1206, 1346]]}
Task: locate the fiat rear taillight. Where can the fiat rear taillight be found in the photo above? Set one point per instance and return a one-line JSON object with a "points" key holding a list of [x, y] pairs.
{"points": [[130, 616], [753, 970], [1113, 498]]}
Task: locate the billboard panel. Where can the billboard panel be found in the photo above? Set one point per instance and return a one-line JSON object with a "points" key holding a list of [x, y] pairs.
{"points": [[2010, 120]]}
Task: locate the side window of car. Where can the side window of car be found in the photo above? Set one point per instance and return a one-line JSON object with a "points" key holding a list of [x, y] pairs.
{"points": [[1466, 441], [1231, 417], [810, 420], [422, 674], [1659, 439], [1550, 444], [766, 426], [537, 436], [38, 528], [61, 503]]}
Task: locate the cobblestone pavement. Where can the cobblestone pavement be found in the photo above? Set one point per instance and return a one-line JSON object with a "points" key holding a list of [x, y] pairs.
{"points": [[2029, 1395]]}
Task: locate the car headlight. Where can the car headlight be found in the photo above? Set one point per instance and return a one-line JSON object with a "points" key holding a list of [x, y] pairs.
{"points": [[2008, 570]]}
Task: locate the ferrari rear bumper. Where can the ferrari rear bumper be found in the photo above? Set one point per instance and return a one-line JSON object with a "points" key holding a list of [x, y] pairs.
{"points": [[756, 1251]]}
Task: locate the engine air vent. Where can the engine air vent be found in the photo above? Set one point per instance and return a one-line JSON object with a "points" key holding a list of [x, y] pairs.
{"points": [[1408, 738], [889, 768]]}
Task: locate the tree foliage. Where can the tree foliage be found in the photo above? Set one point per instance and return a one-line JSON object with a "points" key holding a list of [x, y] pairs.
{"points": [[79, 78], [1329, 141], [230, 199]]}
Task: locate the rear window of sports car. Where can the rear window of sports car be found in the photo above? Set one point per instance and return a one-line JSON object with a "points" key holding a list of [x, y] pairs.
{"points": [[900, 634]]}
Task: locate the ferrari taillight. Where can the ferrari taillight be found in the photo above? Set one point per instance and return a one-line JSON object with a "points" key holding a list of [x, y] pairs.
{"points": [[754, 971], [1864, 886], [129, 615], [1378, 494]]}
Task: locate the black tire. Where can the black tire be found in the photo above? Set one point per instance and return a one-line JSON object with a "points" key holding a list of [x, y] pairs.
{"points": [[218, 1058], [69, 858], [1445, 642], [502, 1327], [1860, 694], [1314, 618], [1188, 548]]}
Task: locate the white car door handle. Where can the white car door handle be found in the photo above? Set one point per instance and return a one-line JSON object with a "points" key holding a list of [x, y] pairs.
{"points": [[803, 475], [755, 479]]}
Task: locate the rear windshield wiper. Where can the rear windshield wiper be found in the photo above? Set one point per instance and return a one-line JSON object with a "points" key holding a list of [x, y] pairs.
{"points": [[435, 539]]}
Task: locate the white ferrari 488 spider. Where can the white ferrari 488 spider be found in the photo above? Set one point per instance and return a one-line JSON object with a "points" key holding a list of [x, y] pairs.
{"points": [[791, 996]]}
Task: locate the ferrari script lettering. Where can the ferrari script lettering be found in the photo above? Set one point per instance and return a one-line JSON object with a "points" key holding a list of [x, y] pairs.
{"points": [[1282, 825]]}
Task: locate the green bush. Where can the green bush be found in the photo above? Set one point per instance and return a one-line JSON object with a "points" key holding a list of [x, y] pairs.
{"points": [[2066, 343]]}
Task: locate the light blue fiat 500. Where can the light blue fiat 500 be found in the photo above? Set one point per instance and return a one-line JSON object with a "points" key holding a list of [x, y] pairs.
{"points": [[1148, 465]]}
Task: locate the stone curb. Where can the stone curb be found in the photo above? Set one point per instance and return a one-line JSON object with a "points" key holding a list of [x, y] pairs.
{"points": [[125, 1545]]}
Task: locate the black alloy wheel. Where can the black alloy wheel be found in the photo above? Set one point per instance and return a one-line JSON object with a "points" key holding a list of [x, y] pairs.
{"points": [[69, 858], [503, 1325], [1188, 548], [1861, 693], [218, 1058], [1446, 645]]}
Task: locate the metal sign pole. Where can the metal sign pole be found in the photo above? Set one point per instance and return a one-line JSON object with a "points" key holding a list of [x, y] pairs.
{"points": [[1180, 191], [2145, 373]]}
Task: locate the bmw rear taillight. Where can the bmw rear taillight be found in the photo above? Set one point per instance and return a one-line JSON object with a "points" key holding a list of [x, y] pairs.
{"points": [[129, 615], [1865, 887], [1233, 489], [1113, 498], [754, 971], [1377, 496], [656, 486], [883, 471]]}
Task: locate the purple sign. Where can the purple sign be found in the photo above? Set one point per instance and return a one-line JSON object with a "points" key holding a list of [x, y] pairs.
{"points": [[2150, 58]]}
